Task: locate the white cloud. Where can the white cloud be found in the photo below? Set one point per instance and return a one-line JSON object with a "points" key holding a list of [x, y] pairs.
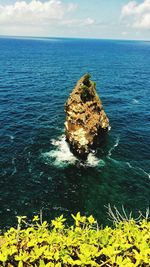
{"points": [[79, 22], [34, 13], [89, 21], [144, 22], [139, 14], [124, 33], [41, 18], [127, 10]]}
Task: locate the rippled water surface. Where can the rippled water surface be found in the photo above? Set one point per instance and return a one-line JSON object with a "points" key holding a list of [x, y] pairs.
{"points": [[37, 168]]}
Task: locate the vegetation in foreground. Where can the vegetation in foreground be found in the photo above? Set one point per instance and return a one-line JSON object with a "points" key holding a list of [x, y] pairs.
{"points": [[82, 244]]}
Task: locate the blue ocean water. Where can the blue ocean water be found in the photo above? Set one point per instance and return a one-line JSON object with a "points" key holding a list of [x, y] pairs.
{"points": [[38, 172]]}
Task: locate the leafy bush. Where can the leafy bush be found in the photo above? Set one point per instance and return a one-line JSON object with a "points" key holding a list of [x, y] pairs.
{"points": [[82, 244]]}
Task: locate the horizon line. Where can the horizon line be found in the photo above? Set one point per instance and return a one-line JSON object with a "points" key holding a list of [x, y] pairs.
{"points": [[62, 37]]}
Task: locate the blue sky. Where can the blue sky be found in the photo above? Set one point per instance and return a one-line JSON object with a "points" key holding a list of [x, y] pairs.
{"points": [[111, 19]]}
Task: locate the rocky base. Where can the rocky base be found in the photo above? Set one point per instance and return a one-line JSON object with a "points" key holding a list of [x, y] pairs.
{"points": [[86, 122]]}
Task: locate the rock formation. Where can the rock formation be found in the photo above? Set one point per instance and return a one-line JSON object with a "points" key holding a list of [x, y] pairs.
{"points": [[86, 121]]}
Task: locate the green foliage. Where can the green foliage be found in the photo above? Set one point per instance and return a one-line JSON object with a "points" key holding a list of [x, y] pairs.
{"points": [[85, 95], [87, 76], [54, 244]]}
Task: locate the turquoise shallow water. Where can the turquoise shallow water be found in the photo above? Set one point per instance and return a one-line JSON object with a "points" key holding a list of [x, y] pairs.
{"points": [[37, 169]]}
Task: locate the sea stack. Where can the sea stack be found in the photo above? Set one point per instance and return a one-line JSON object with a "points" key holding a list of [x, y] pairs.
{"points": [[86, 121]]}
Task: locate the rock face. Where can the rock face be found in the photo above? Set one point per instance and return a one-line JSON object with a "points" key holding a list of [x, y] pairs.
{"points": [[86, 121]]}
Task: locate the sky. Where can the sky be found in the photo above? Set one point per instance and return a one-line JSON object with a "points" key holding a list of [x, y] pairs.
{"points": [[106, 19]]}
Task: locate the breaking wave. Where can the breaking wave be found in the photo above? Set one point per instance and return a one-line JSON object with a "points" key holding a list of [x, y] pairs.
{"points": [[61, 155]]}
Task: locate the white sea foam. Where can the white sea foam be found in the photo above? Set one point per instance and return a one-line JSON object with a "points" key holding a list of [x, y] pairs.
{"points": [[135, 168], [146, 173], [113, 147], [62, 156], [138, 169], [135, 101], [93, 161], [11, 137], [14, 166], [129, 165]]}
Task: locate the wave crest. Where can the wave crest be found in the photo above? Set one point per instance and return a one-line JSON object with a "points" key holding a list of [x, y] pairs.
{"points": [[61, 155]]}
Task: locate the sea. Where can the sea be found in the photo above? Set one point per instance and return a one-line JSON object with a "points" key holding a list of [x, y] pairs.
{"points": [[38, 172]]}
